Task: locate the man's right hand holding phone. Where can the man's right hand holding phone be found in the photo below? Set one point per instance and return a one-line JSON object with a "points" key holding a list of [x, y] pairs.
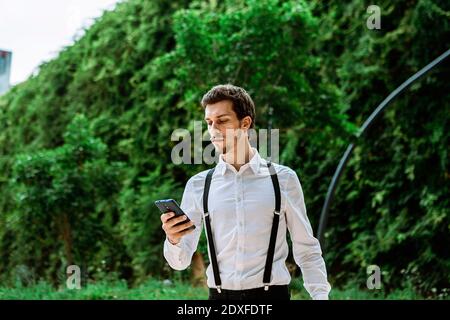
{"points": [[173, 231]]}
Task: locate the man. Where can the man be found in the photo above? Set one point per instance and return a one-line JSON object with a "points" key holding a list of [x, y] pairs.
{"points": [[240, 213]]}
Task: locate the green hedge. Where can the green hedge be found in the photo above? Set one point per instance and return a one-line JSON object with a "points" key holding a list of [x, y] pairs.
{"points": [[139, 72]]}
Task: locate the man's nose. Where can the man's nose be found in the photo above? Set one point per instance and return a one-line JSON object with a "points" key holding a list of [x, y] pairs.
{"points": [[214, 133]]}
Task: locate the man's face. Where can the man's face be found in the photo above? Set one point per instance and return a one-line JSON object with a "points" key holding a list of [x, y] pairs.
{"points": [[223, 125]]}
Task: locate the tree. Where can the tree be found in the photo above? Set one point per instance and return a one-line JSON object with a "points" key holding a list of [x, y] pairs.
{"points": [[65, 200]]}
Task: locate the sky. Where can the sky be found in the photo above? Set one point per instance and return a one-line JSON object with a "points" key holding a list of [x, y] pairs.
{"points": [[35, 31]]}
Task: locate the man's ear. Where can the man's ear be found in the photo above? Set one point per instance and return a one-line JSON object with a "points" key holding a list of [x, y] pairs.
{"points": [[246, 122]]}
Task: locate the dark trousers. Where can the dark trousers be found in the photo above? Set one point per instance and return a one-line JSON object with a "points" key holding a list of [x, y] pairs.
{"points": [[274, 293]]}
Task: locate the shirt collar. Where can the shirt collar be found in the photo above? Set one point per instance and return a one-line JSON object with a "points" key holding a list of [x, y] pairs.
{"points": [[254, 163]]}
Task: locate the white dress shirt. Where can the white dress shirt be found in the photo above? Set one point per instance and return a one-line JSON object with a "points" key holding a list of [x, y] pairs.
{"points": [[241, 206]]}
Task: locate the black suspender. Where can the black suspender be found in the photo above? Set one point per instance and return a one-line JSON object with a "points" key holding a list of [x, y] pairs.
{"points": [[212, 249], [273, 233]]}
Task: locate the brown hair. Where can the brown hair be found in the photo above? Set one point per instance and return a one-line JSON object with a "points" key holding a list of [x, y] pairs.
{"points": [[243, 104]]}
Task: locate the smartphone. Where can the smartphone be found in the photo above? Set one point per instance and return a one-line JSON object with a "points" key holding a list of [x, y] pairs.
{"points": [[167, 205]]}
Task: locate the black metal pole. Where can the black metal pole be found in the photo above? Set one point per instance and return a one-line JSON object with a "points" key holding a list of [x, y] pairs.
{"points": [[269, 151], [364, 128]]}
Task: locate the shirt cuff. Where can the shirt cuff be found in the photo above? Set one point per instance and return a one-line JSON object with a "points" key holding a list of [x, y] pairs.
{"points": [[176, 248], [321, 296]]}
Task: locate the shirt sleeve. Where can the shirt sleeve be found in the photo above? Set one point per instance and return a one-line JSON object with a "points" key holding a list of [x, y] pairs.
{"points": [[306, 248], [179, 256]]}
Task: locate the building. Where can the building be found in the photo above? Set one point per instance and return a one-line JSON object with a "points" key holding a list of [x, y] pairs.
{"points": [[5, 70]]}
